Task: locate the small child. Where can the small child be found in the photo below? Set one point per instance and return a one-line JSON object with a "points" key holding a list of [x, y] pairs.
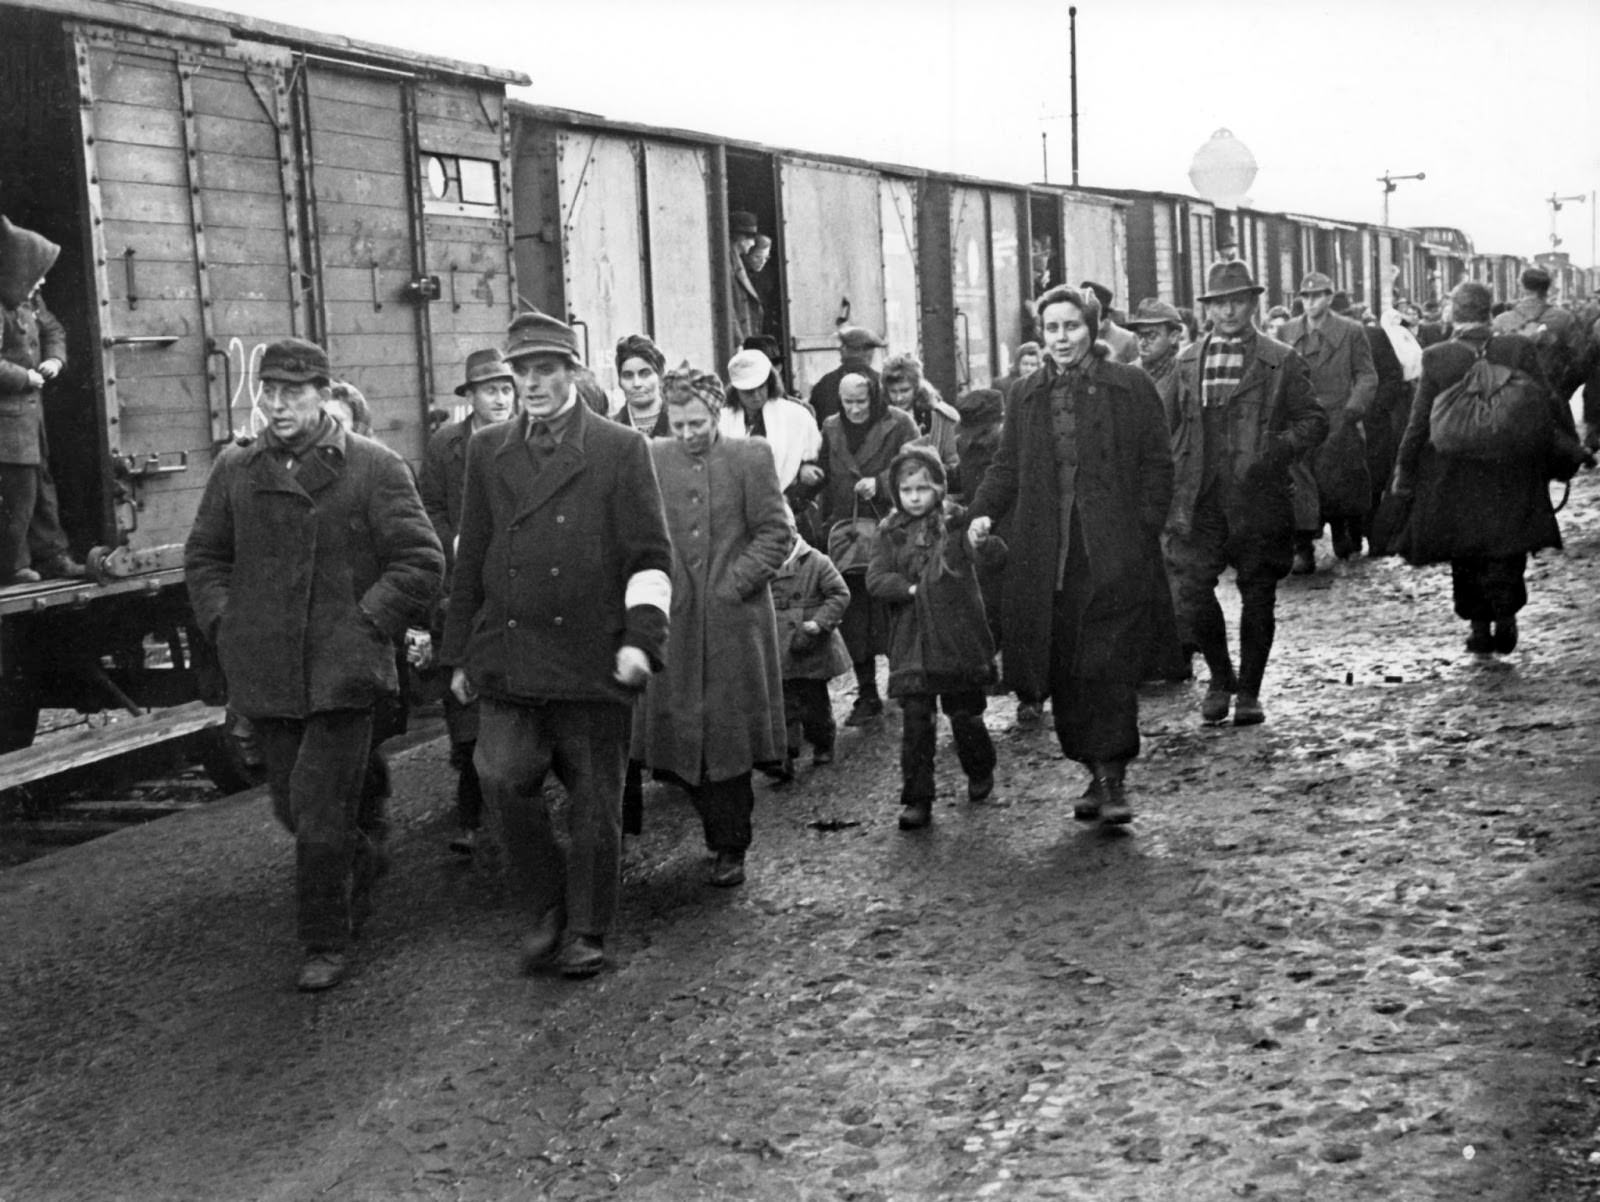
{"points": [[810, 597], [940, 652]]}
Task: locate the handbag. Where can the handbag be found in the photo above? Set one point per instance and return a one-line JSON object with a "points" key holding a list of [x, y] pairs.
{"points": [[851, 540]]}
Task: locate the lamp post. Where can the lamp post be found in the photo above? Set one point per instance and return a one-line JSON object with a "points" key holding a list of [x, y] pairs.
{"points": [[1389, 182], [1555, 202]]}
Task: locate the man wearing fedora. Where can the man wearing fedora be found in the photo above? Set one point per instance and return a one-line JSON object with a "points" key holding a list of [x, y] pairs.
{"points": [[1244, 410], [557, 617], [492, 395], [1159, 328], [1334, 485], [748, 313], [309, 557]]}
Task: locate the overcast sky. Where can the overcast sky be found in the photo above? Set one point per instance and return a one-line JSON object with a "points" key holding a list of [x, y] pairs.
{"points": [[1498, 102]]}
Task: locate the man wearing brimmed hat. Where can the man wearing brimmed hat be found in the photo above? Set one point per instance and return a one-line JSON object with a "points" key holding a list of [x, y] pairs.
{"points": [[1244, 411], [309, 557], [1335, 487], [1159, 328], [491, 393], [747, 313], [858, 348], [558, 614]]}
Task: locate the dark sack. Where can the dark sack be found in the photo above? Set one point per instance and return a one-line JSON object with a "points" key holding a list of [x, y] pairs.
{"points": [[850, 541], [1344, 483], [1492, 412], [1388, 523]]}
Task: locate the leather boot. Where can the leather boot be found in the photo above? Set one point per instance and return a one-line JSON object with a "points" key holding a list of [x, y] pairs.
{"points": [[1088, 806], [1114, 809], [1480, 641]]}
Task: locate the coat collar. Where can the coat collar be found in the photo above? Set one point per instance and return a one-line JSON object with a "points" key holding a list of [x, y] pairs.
{"points": [[531, 487], [320, 466], [1259, 364]]}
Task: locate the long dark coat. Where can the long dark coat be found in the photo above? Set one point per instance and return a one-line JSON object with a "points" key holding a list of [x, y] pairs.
{"points": [[1391, 408], [1123, 492], [1462, 508], [305, 580], [843, 468], [808, 588], [1345, 381], [716, 710], [539, 598], [443, 476]]}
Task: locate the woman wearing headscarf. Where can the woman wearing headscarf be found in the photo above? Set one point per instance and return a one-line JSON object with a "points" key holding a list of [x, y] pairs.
{"points": [[858, 444], [640, 365], [1085, 471], [907, 388], [715, 712]]}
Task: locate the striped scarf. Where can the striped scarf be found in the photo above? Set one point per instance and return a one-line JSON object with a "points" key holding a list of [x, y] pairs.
{"points": [[1221, 370]]}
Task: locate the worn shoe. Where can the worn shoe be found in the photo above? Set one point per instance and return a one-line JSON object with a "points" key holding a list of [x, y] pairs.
{"points": [[1247, 710], [1114, 807], [321, 970], [1345, 543], [1029, 714], [916, 816], [822, 757], [1214, 708], [465, 842], [540, 944], [728, 870], [979, 789], [62, 566], [1505, 636], [865, 710], [584, 956], [1087, 808], [1305, 562], [1480, 641], [24, 576]]}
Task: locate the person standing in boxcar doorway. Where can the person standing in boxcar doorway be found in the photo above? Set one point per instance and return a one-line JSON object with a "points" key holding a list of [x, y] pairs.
{"points": [[557, 617], [1331, 485], [309, 557], [716, 712], [1085, 465], [1245, 411], [748, 313], [491, 392], [33, 352]]}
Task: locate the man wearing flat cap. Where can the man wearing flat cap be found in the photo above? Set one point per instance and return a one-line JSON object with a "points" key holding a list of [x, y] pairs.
{"points": [[309, 557], [858, 349], [491, 394], [1334, 486], [558, 615], [1245, 409]]}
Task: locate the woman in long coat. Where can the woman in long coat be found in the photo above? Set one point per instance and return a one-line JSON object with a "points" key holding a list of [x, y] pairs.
{"points": [[1483, 516], [716, 711], [1085, 471], [858, 444]]}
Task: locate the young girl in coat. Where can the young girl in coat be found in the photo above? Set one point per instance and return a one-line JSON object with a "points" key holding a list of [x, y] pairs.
{"points": [[940, 652], [809, 597]]}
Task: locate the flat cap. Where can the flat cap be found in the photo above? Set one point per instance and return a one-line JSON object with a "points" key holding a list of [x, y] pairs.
{"points": [[858, 338], [294, 361], [540, 334], [1315, 282]]}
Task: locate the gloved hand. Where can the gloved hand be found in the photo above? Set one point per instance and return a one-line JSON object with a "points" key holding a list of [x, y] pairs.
{"points": [[633, 667]]}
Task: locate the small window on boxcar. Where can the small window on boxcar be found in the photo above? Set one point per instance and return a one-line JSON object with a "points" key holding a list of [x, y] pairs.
{"points": [[460, 187]]}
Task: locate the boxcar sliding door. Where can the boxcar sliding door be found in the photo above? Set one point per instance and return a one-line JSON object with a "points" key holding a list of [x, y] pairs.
{"points": [[972, 288], [679, 230], [602, 244]]}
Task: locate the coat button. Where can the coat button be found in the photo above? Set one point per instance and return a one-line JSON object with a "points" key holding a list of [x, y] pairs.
{"points": [[557, 621], [555, 571], [511, 571], [511, 624], [560, 518]]}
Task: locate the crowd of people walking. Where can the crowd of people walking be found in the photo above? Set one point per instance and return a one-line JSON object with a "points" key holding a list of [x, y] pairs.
{"points": [[666, 589]]}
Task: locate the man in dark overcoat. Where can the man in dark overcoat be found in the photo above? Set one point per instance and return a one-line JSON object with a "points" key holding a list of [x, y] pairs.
{"points": [[309, 557], [1332, 485], [558, 615], [1085, 472], [1245, 412], [492, 394]]}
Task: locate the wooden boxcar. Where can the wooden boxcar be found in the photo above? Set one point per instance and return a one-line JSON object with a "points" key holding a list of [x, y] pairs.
{"points": [[217, 182]]}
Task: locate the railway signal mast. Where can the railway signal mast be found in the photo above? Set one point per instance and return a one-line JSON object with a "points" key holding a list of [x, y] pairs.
{"points": [[1389, 183], [1555, 202]]}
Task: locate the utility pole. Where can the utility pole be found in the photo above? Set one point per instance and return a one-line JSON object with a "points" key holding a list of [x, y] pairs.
{"points": [[1389, 183], [1072, 25]]}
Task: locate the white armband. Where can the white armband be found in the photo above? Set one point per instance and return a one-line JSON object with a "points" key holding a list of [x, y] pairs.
{"points": [[650, 587]]}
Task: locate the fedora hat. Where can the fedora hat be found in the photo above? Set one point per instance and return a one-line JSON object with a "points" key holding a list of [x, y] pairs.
{"points": [[743, 224], [1315, 282], [1225, 279], [1153, 311], [481, 366], [540, 334]]}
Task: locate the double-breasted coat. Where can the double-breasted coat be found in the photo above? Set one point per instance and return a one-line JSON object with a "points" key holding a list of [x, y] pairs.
{"points": [[1469, 508], [808, 588], [305, 580], [716, 710], [1339, 358], [539, 596], [1121, 496]]}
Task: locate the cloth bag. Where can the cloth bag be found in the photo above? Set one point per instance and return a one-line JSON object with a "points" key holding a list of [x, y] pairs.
{"points": [[851, 541], [1492, 412]]}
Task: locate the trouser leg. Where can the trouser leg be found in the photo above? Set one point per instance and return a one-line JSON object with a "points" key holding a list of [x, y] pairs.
{"points": [[633, 799], [513, 755], [918, 739], [867, 679], [817, 722], [1197, 560], [469, 792], [46, 539], [315, 770], [591, 757], [1505, 589], [725, 808], [974, 747], [19, 486], [1258, 624]]}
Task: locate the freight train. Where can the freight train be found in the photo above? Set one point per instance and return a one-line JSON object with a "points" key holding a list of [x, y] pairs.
{"points": [[218, 181]]}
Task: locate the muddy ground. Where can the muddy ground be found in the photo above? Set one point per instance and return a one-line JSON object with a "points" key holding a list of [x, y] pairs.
{"points": [[1351, 954]]}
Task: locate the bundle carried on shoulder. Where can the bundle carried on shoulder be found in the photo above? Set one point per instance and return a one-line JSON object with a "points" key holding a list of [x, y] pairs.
{"points": [[1492, 412]]}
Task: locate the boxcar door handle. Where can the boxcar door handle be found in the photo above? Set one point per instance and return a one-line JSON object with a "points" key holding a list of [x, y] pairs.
{"points": [[573, 320], [844, 312], [133, 283], [377, 305], [966, 347]]}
